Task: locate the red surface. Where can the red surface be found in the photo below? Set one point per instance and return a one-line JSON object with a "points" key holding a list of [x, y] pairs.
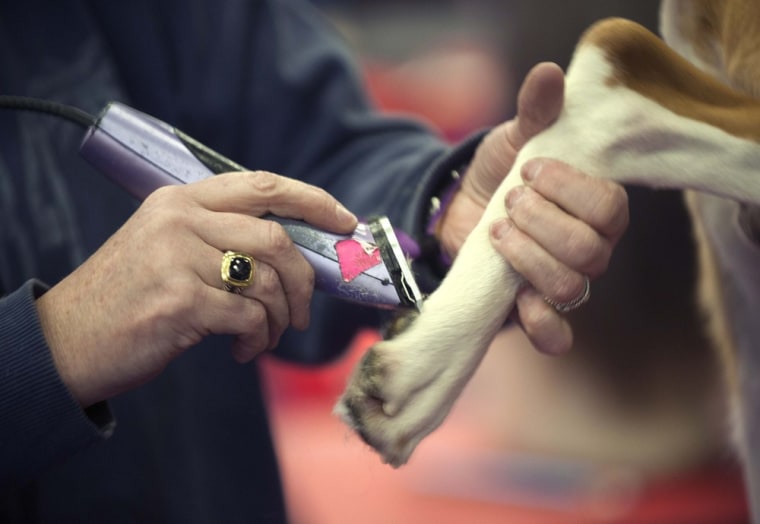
{"points": [[456, 476]]}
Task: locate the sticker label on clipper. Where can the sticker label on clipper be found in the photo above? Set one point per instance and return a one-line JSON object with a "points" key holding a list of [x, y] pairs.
{"points": [[355, 257]]}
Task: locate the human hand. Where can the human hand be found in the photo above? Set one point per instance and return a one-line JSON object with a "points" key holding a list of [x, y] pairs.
{"points": [[154, 288], [561, 230], [562, 226]]}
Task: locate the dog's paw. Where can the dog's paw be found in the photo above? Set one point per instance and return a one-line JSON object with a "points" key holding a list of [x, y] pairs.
{"points": [[404, 388], [387, 401], [369, 403]]}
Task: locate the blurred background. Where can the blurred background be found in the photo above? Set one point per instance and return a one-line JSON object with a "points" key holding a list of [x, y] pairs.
{"points": [[627, 428]]}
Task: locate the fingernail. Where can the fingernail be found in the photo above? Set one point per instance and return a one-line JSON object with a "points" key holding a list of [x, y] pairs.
{"points": [[500, 228], [531, 169], [514, 195], [344, 215]]}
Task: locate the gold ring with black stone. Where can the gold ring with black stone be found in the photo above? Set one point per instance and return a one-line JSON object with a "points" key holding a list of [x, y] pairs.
{"points": [[238, 270]]}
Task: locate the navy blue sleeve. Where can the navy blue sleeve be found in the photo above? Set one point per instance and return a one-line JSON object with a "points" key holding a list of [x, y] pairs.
{"points": [[40, 422]]}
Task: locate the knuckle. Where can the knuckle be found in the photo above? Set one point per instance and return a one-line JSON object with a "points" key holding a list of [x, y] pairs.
{"points": [[165, 195], [268, 281], [278, 239], [173, 219], [255, 316], [612, 203], [535, 319], [588, 252], [162, 193], [321, 203], [327, 201], [166, 206], [584, 248], [177, 296], [543, 326], [514, 251], [264, 181], [568, 287], [524, 204]]}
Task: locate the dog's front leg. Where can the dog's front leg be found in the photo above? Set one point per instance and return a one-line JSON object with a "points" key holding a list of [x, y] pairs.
{"points": [[404, 387]]}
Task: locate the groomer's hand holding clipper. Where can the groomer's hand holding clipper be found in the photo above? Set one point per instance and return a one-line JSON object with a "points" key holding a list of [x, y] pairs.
{"points": [[193, 260], [238, 253]]}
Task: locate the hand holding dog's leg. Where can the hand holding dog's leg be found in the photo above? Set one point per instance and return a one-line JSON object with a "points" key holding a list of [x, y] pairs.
{"points": [[562, 227], [566, 226]]}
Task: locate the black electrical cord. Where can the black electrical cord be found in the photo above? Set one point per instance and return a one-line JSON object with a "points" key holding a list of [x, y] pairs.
{"points": [[25, 103]]}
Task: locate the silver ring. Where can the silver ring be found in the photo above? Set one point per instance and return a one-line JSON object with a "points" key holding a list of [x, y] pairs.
{"points": [[564, 307], [238, 270]]}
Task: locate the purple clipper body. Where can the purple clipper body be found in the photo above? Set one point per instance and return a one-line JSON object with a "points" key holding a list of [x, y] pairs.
{"points": [[142, 153]]}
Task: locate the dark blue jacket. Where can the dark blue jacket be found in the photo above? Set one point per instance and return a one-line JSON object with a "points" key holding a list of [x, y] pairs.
{"points": [[266, 83]]}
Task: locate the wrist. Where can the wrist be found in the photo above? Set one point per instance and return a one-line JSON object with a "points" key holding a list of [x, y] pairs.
{"points": [[67, 363]]}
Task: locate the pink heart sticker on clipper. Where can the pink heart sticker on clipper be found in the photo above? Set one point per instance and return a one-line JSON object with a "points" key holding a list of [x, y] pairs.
{"points": [[355, 257]]}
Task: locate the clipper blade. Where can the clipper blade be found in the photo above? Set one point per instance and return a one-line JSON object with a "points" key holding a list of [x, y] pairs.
{"points": [[396, 263]]}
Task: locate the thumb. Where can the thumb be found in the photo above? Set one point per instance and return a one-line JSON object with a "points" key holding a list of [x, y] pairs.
{"points": [[539, 102], [538, 106]]}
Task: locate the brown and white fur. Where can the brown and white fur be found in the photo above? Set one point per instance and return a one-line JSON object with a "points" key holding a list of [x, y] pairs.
{"points": [[639, 113]]}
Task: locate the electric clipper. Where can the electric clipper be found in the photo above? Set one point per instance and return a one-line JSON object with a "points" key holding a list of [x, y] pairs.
{"points": [[142, 153]]}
